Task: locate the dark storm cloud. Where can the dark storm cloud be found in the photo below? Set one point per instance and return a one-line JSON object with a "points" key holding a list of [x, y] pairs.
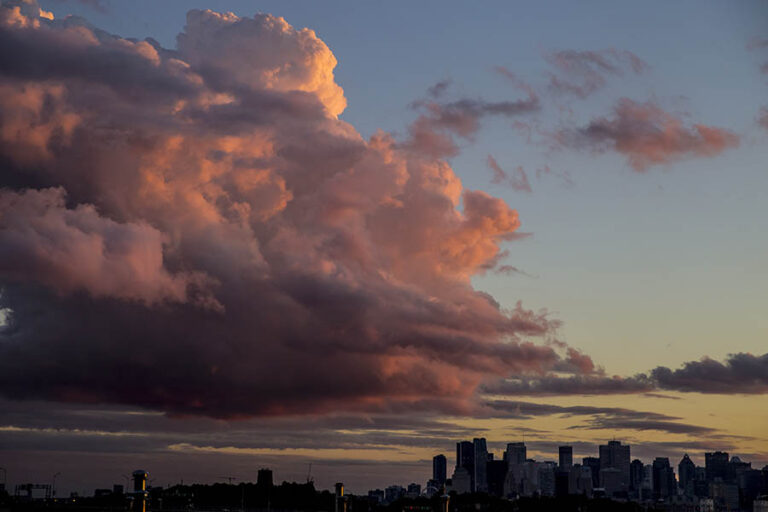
{"points": [[195, 231], [740, 373]]}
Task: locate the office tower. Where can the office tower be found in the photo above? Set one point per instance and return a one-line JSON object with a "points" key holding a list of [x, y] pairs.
{"points": [[480, 479], [612, 481], [414, 490], [465, 458], [461, 482], [593, 463], [686, 472], [264, 478], [376, 496], [664, 484], [340, 501], [516, 453], [439, 468], [716, 464], [496, 473], [566, 457], [140, 493], [635, 474], [393, 493], [546, 478], [615, 455]]}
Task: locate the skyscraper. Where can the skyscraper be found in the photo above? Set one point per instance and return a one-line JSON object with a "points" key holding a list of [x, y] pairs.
{"points": [[664, 484], [566, 457], [716, 464], [439, 468], [615, 455], [516, 453], [481, 461], [635, 475], [686, 472], [593, 463], [465, 458]]}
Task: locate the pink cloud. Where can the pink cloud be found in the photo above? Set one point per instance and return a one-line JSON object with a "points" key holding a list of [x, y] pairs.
{"points": [[201, 222], [647, 135]]}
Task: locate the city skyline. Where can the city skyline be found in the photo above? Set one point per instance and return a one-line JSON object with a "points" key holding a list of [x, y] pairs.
{"points": [[241, 234], [647, 482]]}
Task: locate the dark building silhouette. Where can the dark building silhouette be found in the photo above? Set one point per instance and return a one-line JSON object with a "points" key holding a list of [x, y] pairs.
{"points": [[716, 465], [480, 480], [496, 473], [635, 475], [565, 459], [664, 484], [140, 494], [593, 463], [686, 474], [465, 458], [264, 478], [614, 455], [439, 469], [516, 453]]}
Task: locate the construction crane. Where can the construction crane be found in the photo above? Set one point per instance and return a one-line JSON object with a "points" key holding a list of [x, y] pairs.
{"points": [[309, 474]]}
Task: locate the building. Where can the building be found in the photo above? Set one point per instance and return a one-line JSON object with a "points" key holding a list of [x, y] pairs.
{"points": [[565, 458], [480, 479], [716, 464], [393, 493], [686, 474], [496, 473], [465, 458], [376, 496], [414, 490], [264, 478], [546, 478], [664, 484], [439, 469], [635, 476], [516, 453], [461, 482], [140, 494], [593, 463], [616, 456], [612, 482], [726, 495], [760, 504]]}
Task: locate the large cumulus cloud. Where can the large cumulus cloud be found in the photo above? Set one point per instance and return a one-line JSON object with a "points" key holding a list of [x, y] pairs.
{"points": [[196, 231]]}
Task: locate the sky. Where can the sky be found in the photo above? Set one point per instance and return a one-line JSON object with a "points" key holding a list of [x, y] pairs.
{"points": [[239, 234]]}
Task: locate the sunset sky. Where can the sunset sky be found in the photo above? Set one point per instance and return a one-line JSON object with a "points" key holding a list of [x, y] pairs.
{"points": [[228, 241]]}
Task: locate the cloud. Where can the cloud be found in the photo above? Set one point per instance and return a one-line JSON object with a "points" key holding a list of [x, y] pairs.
{"points": [[433, 131], [762, 118], [582, 73], [518, 179], [195, 231], [760, 44], [76, 249], [598, 418], [740, 373], [647, 135]]}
